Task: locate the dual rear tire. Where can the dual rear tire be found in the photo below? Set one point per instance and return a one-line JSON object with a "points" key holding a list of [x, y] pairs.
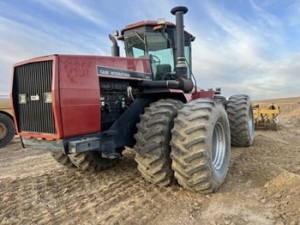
{"points": [[199, 153], [152, 141], [201, 146], [240, 116], [190, 143]]}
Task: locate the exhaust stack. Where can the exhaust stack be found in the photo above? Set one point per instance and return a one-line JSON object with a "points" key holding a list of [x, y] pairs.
{"points": [[185, 83], [115, 50], [181, 67]]}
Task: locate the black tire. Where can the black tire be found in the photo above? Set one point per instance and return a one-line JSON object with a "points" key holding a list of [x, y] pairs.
{"points": [[241, 120], [153, 141], [62, 159], [92, 161], [7, 130], [201, 146], [220, 99]]}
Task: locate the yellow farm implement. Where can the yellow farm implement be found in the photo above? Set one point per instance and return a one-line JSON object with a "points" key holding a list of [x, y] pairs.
{"points": [[266, 118]]}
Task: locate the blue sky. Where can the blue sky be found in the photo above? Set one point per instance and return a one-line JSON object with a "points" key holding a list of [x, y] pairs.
{"points": [[242, 46]]}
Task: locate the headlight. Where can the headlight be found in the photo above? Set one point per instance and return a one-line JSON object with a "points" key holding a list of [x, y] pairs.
{"points": [[22, 99], [48, 97]]}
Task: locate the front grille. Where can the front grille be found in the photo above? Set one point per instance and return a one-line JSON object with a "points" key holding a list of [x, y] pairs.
{"points": [[33, 80]]}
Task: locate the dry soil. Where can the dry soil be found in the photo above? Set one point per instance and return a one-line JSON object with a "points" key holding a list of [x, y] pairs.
{"points": [[262, 187]]}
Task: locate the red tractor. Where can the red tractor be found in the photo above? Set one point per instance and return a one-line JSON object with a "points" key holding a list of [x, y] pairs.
{"points": [[86, 109]]}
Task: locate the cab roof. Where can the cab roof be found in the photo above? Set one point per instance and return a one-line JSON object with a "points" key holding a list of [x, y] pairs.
{"points": [[148, 25], [145, 23]]}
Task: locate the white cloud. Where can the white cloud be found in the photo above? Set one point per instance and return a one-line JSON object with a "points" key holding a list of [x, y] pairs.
{"points": [[79, 8], [239, 53], [24, 38], [243, 57], [294, 13]]}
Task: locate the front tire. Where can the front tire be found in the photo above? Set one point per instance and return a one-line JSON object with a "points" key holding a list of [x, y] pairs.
{"points": [[62, 159], [201, 146], [91, 161], [241, 120], [153, 141]]}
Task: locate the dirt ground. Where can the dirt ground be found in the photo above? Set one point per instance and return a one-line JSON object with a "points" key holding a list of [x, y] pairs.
{"points": [[262, 187]]}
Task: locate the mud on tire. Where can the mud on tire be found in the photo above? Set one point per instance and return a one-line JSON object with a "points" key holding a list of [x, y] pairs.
{"points": [[201, 146], [62, 159], [240, 115], [7, 130], [91, 161], [153, 141]]}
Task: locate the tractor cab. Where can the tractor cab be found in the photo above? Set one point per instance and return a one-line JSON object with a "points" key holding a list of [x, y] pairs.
{"points": [[156, 40]]}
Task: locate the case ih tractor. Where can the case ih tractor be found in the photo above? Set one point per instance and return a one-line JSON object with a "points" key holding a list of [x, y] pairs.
{"points": [[86, 109]]}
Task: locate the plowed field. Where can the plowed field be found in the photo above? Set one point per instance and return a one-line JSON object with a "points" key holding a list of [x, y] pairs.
{"points": [[262, 187]]}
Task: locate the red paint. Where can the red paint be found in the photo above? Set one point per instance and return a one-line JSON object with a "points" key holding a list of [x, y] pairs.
{"points": [[203, 94], [76, 92], [55, 101], [80, 91], [151, 23]]}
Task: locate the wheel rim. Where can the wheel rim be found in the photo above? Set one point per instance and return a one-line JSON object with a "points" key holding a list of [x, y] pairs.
{"points": [[218, 146], [250, 122], [3, 130]]}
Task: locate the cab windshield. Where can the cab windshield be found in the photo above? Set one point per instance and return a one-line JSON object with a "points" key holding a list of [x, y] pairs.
{"points": [[156, 47]]}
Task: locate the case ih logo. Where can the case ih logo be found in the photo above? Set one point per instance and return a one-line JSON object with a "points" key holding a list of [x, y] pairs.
{"points": [[102, 70]]}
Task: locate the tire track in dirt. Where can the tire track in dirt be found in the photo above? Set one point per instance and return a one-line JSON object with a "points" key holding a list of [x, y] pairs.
{"points": [[115, 196], [34, 189]]}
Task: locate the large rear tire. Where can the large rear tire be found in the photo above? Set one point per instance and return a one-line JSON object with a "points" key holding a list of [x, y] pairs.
{"points": [[241, 120], [7, 130], [92, 161], [201, 146], [62, 159], [153, 141]]}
